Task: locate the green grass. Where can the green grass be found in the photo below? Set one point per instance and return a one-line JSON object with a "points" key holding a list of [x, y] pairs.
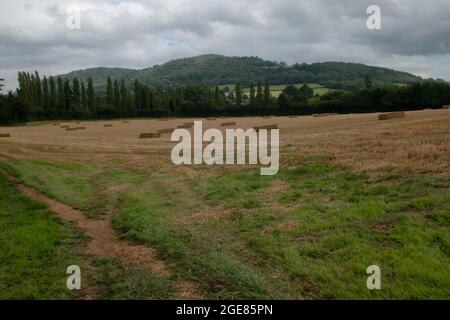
{"points": [[35, 249], [114, 282], [313, 238], [84, 187]]}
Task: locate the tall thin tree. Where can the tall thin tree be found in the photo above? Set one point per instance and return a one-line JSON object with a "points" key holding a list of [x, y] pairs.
{"points": [[91, 103]]}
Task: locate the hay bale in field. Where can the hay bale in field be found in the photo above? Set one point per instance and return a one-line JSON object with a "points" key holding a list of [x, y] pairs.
{"points": [[392, 115], [185, 126], [108, 125], [75, 128], [64, 127], [150, 135], [227, 124], [167, 130], [446, 107], [5, 135], [189, 124], [56, 124], [125, 121], [267, 127], [319, 115]]}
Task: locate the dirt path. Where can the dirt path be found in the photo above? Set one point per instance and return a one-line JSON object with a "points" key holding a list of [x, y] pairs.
{"points": [[105, 242]]}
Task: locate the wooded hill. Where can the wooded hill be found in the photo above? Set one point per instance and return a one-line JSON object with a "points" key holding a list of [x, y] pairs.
{"points": [[214, 70]]}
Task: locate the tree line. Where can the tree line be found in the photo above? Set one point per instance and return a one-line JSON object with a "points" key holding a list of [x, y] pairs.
{"points": [[416, 96], [57, 98]]}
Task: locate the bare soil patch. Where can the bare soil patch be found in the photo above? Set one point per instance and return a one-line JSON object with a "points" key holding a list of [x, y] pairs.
{"points": [[103, 240]]}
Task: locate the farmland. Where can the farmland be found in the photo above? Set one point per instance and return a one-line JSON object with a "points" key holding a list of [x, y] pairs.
{"points": [[275, 90], [352, 191]]}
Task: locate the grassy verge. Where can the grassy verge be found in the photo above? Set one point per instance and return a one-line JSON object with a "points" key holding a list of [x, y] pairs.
{"points": [[310, 232], [34, 249]]}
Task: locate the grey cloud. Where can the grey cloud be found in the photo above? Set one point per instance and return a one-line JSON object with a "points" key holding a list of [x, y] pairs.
{"points": [[142, 33]]}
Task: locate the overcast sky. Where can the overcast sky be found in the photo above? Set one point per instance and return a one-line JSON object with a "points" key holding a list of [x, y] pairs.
{"points": [[415, 34]]}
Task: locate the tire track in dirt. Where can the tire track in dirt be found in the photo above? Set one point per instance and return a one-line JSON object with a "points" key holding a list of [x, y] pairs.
{"points": [[103, 241]]}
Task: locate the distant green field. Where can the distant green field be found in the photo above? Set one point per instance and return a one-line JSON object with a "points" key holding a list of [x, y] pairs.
{"points": [[275, 90]]}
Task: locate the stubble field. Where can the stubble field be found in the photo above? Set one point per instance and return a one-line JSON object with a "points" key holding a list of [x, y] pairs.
{"points": [[352, 191]]}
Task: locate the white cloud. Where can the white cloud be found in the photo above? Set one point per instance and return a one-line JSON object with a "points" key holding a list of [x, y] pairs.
{"points": [[138, 34]]}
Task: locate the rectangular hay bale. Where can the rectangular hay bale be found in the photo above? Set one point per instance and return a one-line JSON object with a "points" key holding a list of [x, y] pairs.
{"points": [[184, 126], [108, 125], [227, 124], [267, 127], [391, 115], [150, 135], [5, 135], [168, 130], [75, 128]]}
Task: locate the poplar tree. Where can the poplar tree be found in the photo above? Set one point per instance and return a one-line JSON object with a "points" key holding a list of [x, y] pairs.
{"points": [[68, 99], [266, 99], [117, 97], [61, 98], [53, 100], [109, 93], [76, 97], [91, 103], [83, 97], [238, 95], [252, 94], [137, 96], [217, 96], [259, 93], [45, 95], [38, 90], [124, 98]]}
